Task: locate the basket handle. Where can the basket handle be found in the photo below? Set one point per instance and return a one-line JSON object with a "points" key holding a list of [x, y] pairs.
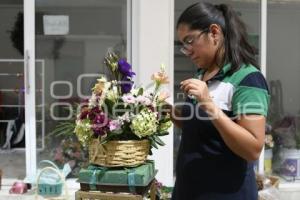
{"points": [[99, 147], [61, 177], [48, 162]]}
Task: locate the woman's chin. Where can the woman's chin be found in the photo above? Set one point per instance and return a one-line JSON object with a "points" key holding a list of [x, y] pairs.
{"points": [[198, 64]]}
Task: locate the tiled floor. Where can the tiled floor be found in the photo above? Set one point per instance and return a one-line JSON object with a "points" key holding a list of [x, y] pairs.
{"points": [[13, 163]]}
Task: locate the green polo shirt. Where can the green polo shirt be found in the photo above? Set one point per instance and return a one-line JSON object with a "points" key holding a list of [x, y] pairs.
{"points": [[242, 92]]}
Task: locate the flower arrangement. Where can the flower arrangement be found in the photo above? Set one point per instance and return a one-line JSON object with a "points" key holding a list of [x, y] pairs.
{"points": [[119, 111], [70, 151]]}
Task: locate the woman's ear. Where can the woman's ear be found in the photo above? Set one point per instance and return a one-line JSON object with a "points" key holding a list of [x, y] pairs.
{"points": [[215, 32]]}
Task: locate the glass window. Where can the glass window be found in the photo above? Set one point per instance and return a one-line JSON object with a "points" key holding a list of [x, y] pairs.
{"points": [[72, 38], [12, 117], [283, 47]]}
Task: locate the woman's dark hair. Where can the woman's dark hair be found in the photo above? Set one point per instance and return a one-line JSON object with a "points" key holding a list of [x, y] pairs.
{"points": [[238, 51]]}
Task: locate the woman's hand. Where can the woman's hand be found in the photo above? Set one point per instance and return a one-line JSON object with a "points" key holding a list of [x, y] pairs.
{"points": [[174, 113], [197, 88]]}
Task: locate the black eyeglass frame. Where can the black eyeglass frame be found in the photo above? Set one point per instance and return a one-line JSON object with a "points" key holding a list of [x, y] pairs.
{"points": [[188, 44]]}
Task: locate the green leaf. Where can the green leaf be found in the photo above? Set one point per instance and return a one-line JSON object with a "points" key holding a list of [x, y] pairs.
{"points": [[153, 142], [141, 91], [164, 119], [110, 136], [109, 103], [118, 132], [58, 129], [162, 133], [63, 128], [158, 140]]}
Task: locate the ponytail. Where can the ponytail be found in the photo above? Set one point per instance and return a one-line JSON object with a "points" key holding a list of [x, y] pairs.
{"points": [[238, 51]]}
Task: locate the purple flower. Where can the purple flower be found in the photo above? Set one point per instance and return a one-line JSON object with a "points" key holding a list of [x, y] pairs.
{"points": [[100, 124], [94, 112], [126, 85], [84, 114], [125, 68]]}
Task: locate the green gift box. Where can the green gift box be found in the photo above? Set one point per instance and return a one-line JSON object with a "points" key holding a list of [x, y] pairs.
{"points": [[135, 176]]}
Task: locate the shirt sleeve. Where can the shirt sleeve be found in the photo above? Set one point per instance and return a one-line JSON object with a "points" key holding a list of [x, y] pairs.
{"points": [[251, 96]]}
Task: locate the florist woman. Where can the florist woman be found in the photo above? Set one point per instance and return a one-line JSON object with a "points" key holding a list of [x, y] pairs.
{"points": [[223, 120]]}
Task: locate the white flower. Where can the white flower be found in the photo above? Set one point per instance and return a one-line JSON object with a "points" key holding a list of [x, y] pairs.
{"points": [[129, 98], [144, 100], [145, 123], [126, 117], [112, 94], [93, 100]]}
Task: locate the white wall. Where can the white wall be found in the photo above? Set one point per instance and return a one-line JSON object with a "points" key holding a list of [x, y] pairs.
{"points": [[152, 45]]}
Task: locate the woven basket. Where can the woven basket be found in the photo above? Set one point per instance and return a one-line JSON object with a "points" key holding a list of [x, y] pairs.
{"points": [[119, 153], [49, 190]]}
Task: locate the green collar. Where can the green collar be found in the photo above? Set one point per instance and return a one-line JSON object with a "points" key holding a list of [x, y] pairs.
{"points": [[225, 69]]}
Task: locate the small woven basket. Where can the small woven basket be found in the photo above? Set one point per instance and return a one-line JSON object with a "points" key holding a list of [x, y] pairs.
{"points": [[49, 190], [126, 153]]}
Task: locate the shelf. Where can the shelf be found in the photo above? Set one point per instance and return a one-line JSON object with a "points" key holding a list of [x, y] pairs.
{"points": [[79, 37]]}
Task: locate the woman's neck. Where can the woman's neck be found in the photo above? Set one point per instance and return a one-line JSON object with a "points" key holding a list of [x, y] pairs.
{"points": [[210, 72]]}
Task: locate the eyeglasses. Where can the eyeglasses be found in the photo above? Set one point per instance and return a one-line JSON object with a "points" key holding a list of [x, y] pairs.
{"points": [[188, 43]]}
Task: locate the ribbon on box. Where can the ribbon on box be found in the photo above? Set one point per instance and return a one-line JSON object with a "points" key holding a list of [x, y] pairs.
{"points": [[131, 180], [93, 181], [95, 176]]}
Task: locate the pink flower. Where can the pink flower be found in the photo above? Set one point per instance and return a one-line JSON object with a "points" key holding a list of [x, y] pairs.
{"points": [[76, 155], [114, 125], [59, 157]]}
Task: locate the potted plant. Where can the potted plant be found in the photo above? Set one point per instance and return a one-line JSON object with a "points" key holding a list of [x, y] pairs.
{"points": [[120, 123]]}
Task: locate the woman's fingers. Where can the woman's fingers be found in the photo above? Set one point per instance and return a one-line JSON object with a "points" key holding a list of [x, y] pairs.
{"points": [[189, 86], [195, 88]]}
